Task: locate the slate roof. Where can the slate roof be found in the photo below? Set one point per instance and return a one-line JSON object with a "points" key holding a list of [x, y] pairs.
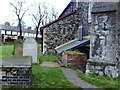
{"points": [[16, 29], [69, 8]]}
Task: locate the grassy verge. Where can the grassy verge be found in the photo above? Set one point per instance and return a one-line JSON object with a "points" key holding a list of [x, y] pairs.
{"points": [[6, 51], [39, 48], [43, 77], [49, 77], [100, 81], [48, 58]]}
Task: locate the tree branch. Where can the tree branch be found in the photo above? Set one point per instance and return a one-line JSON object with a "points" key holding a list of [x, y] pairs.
{"points": [[35, 18], [24, 13]]}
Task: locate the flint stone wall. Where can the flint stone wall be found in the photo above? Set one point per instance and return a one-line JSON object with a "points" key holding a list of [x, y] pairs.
{"points": [[104, 49], [16, 71], [64, 29]]}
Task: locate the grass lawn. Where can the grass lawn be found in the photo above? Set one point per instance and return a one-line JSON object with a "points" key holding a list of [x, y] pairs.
{"points": [[6, 51], [49, 77], [48, 58], [100, 81], [43, 77]]}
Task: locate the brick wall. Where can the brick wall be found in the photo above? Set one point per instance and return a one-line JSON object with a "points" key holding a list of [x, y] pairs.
{"points": [[74, 61]]}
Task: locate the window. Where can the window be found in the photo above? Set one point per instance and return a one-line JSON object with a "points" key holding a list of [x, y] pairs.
{"points": [[14, 33], [8, 32], [2, 32]]}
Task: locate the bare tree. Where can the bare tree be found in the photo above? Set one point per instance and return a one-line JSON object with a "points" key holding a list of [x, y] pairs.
{"points": [[39, 17], [54, 13], [20, 11]]}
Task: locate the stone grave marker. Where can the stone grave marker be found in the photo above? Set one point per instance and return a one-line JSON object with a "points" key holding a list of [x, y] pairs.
{"points": [[18, 47], [30, 49]]}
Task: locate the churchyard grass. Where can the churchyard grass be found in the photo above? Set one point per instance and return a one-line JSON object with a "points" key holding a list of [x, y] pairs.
{"points": [[7, 51], [39, 48], [48, 58], [43, 77], [49, 77], [100, 81]]}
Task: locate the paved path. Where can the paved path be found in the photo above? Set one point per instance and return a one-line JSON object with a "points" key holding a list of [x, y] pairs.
{"points": [[50, 64], [72, 77]]}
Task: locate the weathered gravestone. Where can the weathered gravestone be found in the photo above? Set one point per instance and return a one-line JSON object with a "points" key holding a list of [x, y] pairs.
{"points": [[105, 39], [18, 47], [30, 49]]}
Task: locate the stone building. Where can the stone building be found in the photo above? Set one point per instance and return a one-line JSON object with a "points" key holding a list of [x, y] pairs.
{"points": [[102, 20], [105, 40], [65, 29]]}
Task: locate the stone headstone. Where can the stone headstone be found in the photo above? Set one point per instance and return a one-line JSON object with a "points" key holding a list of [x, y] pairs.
{"points": [[30, 49], [18, 47]]}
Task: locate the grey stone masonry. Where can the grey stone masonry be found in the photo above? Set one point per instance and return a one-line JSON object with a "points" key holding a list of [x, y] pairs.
{"points": [[16, 71], [105, 39], [64, 29]]}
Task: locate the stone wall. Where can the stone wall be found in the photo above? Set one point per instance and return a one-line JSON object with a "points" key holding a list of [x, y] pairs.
{"points": [[64, 29], [104, 56], [16, 76], [16, 71]]}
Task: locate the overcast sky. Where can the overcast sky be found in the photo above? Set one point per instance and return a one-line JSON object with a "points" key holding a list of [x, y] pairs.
{"points": [[6, 13]]}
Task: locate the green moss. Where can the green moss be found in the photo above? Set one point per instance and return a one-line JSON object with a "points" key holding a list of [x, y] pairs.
{"points": [[74, 52]]}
